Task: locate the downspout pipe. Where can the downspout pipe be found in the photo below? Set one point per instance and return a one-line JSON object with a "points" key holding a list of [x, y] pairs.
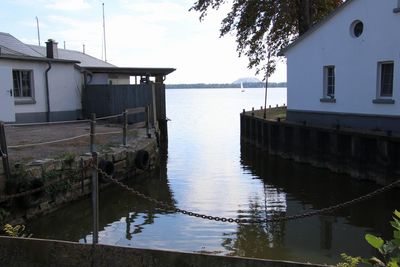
{"points": [[47, 92]]}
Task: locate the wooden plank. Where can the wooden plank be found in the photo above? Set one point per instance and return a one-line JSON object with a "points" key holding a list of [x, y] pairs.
{"points": [[141, 124], [136, 110]]}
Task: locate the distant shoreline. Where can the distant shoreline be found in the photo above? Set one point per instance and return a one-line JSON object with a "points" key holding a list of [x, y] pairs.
{"points": [[223, 85]]}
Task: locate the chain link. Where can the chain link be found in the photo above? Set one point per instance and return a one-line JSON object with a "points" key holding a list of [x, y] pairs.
{"points": [[330, 209]]}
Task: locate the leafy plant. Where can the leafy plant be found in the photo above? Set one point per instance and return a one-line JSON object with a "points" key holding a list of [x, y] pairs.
{"points": [[15, 231], [389, 250], [349, 261], [68, 158]]}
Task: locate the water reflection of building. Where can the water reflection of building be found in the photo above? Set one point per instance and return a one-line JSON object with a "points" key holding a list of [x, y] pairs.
{"points": [[275, 199], [118, 209], [307, 188]]}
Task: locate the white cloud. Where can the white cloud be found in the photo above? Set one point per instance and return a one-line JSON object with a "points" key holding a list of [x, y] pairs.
{"points": [[67, 5], [140, 33]]}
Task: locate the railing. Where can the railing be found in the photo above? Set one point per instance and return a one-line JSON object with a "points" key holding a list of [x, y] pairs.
{"points": [[4, 148]]}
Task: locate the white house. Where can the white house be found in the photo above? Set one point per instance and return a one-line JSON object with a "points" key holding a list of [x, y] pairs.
{"points": [[45, 83], [346, 69], [40, 83]]}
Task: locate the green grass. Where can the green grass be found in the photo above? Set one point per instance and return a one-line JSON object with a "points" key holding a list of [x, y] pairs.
{"points": [[271, 113]]}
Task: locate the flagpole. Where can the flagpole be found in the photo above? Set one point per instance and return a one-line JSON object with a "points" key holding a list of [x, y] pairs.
{"points": [[104, 36], [38, 31]]}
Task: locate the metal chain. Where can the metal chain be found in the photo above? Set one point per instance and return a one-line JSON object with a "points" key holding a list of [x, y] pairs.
{"points": [[330, 209]]}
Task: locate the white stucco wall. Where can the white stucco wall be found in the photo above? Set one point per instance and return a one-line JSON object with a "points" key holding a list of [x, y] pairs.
{"points": [[99, 78], [38, 80], [105, 78], [64, 85], [355, 60]]}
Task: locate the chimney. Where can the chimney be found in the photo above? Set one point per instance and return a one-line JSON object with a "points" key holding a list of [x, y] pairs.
{"points": [[51, 49], [397, 9]]}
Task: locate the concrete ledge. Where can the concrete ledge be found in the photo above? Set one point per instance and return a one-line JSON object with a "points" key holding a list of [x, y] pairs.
{"points": [[39, 252], [383, 101], [327, 100]]}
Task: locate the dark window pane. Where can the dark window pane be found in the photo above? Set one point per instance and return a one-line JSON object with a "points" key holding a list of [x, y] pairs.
{"points": [[26, 84], [17, 84], [330, 81], [358, 29], [22, 83], [387, 79]]}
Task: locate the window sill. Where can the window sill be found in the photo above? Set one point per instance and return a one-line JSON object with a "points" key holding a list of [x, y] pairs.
{"points": [[383, 101], [24, 101], [328, 100]]}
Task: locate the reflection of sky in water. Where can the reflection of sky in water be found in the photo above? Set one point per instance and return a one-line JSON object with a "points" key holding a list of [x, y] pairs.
{"points": [[204, 147]]}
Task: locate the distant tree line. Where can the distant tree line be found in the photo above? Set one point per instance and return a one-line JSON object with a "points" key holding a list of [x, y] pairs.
{"points": [[223, 85]]}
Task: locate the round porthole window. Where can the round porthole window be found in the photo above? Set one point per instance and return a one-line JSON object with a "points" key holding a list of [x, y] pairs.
{"points": [[357, 28]]}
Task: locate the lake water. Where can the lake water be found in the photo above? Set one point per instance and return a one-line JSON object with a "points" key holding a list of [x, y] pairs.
{"points": [[207, 170]]}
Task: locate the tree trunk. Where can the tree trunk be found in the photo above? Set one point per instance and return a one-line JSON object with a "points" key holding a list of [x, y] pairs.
{"points": [[304, 15]]}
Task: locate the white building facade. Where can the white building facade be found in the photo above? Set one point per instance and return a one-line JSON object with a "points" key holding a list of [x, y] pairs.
{"points": [[30, 98], [346, 70]]}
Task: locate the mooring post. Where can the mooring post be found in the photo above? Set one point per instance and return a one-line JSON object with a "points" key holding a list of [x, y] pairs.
{"points": [[125, 128], [92, 132], [4, 152], [95, 199], [148, 121]]}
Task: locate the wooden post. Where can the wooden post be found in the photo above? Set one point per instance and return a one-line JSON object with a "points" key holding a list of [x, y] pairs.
{"points": [[95, 199], [82, 165], [125, 128], [92, 132], [4, 153], [148, 121]]}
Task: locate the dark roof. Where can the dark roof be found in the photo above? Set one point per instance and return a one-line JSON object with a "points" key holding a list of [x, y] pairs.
{"points": [[314, 28], [41, 59], [9, 45], [12, 48], [84, 59], [132, 71]]}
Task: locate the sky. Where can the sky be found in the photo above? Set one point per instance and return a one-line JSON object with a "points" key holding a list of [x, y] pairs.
{"points": [[139, 33]]}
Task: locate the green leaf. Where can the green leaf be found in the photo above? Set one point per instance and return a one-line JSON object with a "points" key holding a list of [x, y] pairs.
{"points": [[392, 263], [374, 241], [395, 223], [397, 214], [396, 234]]}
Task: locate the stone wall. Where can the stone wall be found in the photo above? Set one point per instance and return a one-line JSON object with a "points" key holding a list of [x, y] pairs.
{"points": [[362, 154], [69, 179], [36, 252]]}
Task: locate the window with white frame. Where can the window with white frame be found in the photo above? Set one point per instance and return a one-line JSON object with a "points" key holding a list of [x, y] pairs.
{"points": [[329, 82], [23, 83], [385, 79]]}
